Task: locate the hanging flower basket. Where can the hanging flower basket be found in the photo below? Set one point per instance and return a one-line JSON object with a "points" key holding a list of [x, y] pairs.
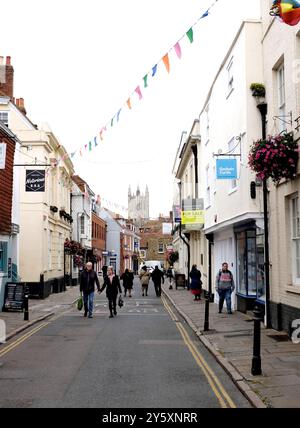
{"points": [[275, 158]]}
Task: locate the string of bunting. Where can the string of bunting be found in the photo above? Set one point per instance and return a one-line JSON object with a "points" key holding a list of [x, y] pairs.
{"points": [[91, 145]]}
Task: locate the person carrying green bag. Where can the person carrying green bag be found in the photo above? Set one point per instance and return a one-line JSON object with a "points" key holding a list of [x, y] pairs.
{"points": [[80, 302], [88, 278]]}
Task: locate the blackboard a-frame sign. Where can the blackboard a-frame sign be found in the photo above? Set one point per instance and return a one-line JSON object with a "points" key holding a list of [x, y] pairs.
{"points": [[14, 296]]}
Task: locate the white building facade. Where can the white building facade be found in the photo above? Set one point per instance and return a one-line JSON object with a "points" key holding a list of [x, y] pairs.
{"points": [[281, 66], [228, 125]]}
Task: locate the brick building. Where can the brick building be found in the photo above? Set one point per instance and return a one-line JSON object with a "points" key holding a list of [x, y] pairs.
{"points": [[98, 241], [9, 212], [154, 241]]}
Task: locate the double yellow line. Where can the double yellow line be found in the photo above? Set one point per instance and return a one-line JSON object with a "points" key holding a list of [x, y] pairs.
{"points": [[22, 339], [216, 386]]}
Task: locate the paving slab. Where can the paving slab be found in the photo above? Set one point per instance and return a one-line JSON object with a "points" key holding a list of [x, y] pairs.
{"points": [[230, 340]]}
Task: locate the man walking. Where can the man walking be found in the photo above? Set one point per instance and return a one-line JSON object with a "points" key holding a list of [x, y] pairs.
{"points": [[88, 278], [224, 287], [157, 276]]}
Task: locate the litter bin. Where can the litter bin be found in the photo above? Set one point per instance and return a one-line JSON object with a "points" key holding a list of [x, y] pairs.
{"points": [[180, 280]]}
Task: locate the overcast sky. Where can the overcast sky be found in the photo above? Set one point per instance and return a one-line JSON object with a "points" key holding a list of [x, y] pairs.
{"points": [[76, 63]]}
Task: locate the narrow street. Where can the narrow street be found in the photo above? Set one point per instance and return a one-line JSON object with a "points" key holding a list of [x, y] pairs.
{"points": [[146, 357]]}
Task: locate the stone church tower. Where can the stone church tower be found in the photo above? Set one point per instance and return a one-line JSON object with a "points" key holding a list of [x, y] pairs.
{"points": [[138, 205]]}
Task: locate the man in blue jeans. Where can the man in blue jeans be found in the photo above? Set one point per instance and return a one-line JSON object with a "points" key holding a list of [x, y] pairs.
{"points": [[224, 287], [88, 278]]}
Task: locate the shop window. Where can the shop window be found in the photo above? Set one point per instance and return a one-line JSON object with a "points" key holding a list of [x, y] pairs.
{"points": [[3, 256], [295, 233], [250, 264]]}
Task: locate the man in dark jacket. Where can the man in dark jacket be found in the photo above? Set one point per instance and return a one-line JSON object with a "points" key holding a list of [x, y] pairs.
{"points": [[157, 276], [88, 278]]}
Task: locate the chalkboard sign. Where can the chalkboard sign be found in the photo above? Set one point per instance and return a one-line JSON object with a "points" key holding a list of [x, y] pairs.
{"points": [[180, 280], [14, 296]]}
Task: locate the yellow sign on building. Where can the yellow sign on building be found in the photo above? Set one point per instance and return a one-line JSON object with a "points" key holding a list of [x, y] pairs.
{"points": [[192, 217]]}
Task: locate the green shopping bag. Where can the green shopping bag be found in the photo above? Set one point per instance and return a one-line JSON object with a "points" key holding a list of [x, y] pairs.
{"points": [[80, 303]]}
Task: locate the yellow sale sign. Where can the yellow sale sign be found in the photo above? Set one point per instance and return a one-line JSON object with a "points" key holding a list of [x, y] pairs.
{"points": [[192, 217]]}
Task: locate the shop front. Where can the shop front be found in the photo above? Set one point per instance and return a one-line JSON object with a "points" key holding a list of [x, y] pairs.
{"points": [[250, 287]]}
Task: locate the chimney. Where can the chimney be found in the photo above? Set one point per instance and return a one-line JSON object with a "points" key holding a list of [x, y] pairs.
{"points": [[21, 106], [7, 77]]}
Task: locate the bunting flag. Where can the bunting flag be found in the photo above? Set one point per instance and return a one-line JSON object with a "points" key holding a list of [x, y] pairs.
{"points": [[118, 115], [177, 49], [138, 91], [145, 79], [190, 34], [287, 10], [165, 59]]}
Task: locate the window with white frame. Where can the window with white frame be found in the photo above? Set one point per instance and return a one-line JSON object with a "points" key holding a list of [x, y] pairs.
{"points": [[3, 256], [295, 223], [207, 171], [161, 247], [60, 250], [230, 76], [4, 117], [207, 123], [281, 96], [233, 145], [50, 240], [82, 229]]}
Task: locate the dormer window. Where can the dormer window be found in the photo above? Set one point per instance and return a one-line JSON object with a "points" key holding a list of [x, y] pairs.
{"points": [[4, 117]]}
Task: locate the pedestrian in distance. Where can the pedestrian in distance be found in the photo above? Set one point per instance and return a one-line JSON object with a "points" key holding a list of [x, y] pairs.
{"points": [[88, 278], [196, 283], [127, 278], [225, 286], [144, 278], [171, 276], [157, 277], [112, 285]]}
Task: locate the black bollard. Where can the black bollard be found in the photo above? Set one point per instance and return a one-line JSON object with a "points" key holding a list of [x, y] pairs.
{"points": [[206, 314], [26, 311], [256, 360]]}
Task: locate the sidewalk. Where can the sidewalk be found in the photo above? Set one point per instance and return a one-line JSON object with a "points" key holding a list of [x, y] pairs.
{"points": [[39, 310], [230, 340]]}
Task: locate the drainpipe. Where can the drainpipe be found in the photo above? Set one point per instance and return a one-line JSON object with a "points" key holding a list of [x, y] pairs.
{"points": [[183, 238]]}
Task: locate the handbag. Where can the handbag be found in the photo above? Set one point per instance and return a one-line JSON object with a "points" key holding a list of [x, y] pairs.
{"points": [[120, 301], [80, 303]]}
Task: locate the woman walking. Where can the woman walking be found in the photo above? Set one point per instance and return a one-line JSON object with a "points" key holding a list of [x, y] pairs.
{"points": [[145, 278], [112, 285], [127, 278], [196, 283]]}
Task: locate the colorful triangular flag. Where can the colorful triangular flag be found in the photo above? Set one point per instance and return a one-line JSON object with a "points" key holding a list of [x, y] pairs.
{"points": [[190, 35], [166, 62], [154, 70], [138, 91], [178, 50]]}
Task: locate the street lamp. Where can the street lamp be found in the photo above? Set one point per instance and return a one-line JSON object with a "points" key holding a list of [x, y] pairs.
{"points": [[263, 108]]}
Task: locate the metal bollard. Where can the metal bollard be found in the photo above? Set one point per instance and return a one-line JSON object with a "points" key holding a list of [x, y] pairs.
{"points": [[256, 360], [26, 311], [206, 315]]}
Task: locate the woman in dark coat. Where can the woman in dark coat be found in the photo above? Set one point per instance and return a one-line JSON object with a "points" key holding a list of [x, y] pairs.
{"points": [[112, 285], [127, 278], [196, 283]]}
